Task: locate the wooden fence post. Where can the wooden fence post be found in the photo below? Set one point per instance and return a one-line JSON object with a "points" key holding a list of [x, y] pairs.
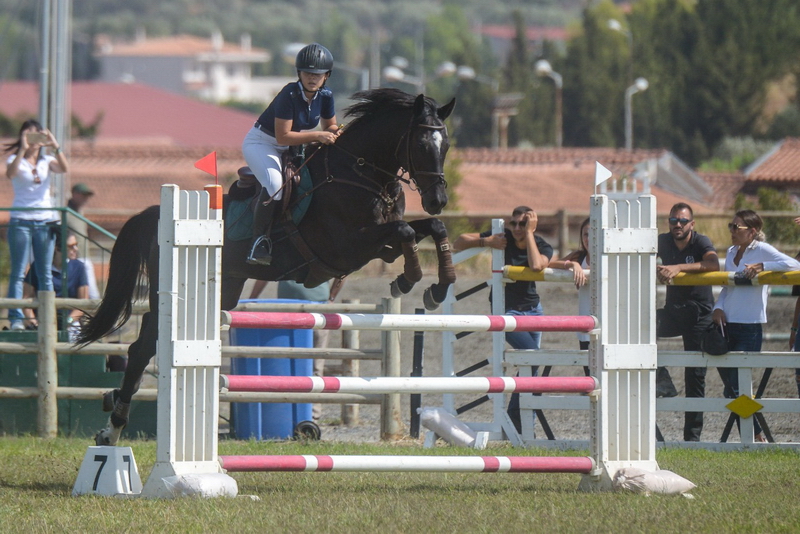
{"points": [[47, 366]]}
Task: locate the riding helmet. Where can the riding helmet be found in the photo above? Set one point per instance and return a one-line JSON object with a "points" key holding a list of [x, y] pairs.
{"points": [[315, 59]]}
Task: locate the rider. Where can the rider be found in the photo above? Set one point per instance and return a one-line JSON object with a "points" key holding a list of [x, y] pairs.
{"points": [[288, 121]]}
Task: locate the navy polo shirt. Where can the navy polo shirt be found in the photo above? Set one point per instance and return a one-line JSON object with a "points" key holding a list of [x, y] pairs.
{"points": [[521, 294], [698, 246], [289, 104], [76, 277]]}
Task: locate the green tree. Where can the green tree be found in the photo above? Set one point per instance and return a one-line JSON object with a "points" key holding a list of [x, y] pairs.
{"points": [[595, 72]]}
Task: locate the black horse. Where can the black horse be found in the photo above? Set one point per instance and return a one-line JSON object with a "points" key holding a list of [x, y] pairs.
{"points": [[354, 216]]}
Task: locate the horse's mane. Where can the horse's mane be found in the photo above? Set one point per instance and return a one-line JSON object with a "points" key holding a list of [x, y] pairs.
{"points": [[378, 103]]}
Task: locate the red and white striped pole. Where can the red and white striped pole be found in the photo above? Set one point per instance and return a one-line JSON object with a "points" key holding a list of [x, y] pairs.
{"points": [[410, 323], [407, 384], [442, 464]]}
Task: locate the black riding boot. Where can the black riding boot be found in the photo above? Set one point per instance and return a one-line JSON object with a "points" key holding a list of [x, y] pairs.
{"points": [[261, 248]]}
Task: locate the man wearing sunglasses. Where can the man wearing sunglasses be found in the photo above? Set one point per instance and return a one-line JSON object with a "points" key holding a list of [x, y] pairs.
{"points": [[522, 248], [687, 312]]}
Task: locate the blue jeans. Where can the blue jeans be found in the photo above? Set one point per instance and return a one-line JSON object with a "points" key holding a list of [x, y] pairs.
{"points": [[797, 371], [22, 236], [741, 337], [523, 341]]}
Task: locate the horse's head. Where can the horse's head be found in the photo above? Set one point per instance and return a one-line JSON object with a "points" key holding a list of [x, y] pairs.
{"points": [[425, 151]]}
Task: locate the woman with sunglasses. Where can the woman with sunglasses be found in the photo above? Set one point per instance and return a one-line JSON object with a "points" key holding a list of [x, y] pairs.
{"points": [[741, 310], [30, 173]]}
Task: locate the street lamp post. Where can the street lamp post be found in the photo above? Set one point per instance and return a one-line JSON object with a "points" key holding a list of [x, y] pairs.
{"points": [[639, 85], [396, 74], [543, 68], [614, 24]]}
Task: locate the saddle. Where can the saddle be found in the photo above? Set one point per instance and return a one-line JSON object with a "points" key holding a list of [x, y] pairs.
{"points": [[245, 192]]}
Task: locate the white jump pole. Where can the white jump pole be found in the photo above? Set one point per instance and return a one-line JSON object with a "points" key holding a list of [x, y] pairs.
{"points": [[440, 464]]}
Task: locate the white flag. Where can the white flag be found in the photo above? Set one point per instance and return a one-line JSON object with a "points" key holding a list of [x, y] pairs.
{"points": [[601, 174]]}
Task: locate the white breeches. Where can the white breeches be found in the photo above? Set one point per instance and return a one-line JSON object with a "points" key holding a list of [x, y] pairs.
{"points": [[263, 155]]}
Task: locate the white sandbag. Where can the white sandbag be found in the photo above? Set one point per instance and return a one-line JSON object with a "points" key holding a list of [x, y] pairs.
{"points": [[644, 481], [446, 426], [202, 485]]}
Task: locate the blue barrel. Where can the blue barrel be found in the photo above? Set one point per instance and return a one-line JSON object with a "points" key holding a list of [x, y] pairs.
{"points": [[270, 420]]}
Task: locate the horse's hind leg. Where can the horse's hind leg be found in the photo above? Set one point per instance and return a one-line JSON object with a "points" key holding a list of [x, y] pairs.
{"points": [[118, 401]]}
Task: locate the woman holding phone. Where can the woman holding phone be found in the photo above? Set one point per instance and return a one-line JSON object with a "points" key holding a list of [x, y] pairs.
{"points": [[30, 174]]}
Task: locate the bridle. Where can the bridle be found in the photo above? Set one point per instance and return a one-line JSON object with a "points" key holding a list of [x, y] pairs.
{"points": [[410, 168]]}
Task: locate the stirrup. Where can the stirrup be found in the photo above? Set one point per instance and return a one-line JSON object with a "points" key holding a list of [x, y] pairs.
{"points": [[260, 252]]}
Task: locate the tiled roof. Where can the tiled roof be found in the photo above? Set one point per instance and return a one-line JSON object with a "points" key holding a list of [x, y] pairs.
{"points": [[577, 156], [780, 165], [726, 185], [178, 45], [138, 113], [496, 188]]}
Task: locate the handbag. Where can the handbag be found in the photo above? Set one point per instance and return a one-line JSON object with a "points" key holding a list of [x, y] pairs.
{"points": [[713, 341]]}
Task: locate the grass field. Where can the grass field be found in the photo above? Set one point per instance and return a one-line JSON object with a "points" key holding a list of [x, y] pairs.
{"points": [[737, 492]]}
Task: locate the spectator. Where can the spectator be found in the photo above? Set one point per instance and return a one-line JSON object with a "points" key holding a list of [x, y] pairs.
{"points": [[794, 339], [687, 311], [30, 175], [77, 284], [741, 310], [577, 262], [522, 248], [81, 194]]}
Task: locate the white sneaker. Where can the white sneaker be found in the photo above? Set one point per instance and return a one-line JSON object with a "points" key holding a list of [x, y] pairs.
{"points": [[17, 326]]}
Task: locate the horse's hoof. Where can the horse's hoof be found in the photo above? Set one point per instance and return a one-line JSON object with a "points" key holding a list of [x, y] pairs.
{"points": [[103, 438], [428, 300], [110, 400], [395, 289]]}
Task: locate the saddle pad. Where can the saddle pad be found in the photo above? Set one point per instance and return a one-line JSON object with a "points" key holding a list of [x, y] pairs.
{"points": [[302, 196], [239, 220]]}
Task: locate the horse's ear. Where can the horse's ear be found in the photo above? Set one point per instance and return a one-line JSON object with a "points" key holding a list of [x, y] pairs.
{"points": [[419, 105], [445, 111]]}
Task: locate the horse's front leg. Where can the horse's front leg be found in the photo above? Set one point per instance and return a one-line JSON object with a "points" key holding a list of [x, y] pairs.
{"points": [[435, 295]]}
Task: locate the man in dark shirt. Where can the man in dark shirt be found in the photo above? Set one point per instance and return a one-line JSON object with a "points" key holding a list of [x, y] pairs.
{"points": [[687, 311], [522, 247]]}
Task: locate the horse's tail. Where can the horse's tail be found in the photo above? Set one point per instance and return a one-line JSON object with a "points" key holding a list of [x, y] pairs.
{"points": [[127, 269]]}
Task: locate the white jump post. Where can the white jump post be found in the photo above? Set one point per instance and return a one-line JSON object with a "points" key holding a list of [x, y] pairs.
{"points": [[623, 358], [189, 347]]}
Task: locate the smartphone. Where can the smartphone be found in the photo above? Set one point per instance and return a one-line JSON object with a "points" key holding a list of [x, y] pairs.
{"points": [[36, 138]]}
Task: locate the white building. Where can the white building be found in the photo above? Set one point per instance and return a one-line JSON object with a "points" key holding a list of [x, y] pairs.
{"points": [[209, 69]]}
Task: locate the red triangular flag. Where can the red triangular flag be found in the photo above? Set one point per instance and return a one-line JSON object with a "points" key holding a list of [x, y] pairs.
{"points": [[208, 164]]}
